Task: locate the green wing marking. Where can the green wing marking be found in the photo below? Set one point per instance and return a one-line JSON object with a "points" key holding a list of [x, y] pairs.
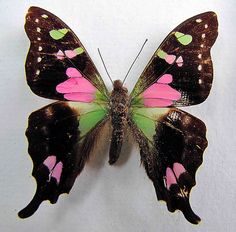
{"points": [[146, 119], [89, 115]]}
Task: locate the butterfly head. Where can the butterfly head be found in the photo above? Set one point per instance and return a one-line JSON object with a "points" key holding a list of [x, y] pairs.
{"points": [[118, 86]]}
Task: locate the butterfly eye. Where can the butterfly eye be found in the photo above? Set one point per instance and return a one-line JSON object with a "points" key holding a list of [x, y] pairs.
{"points": [[117, 85], [125, 89]]}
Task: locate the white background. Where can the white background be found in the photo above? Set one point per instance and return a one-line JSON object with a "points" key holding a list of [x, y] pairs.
{"points": [[118, 198]]}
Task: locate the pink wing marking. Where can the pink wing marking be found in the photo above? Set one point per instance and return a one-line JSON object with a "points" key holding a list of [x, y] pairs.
{"points": [[81, 97], [60, 55], [165, 79], [70, 53], [76, 88], [180, 61], [178, 169], [76, 85], [170, 178], [157, 102], [56, 173], [73, 72], [160, 93], [170, 59], [50, 162]]}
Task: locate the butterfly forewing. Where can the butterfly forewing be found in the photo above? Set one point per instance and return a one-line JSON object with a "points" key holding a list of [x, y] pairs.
{"points": [[54, 51], [180, 72]]}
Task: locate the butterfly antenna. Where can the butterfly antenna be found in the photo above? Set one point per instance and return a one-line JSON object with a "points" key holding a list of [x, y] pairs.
{"points": [[134, 61], [104, 65]]}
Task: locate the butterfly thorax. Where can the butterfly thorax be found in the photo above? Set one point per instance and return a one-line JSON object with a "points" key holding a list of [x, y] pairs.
{"points": [[119, 101]]}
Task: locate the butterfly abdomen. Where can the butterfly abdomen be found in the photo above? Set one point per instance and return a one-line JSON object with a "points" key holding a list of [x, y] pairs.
{"points": [[118, 112]]}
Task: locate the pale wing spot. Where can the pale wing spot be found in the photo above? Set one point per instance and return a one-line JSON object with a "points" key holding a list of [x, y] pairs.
{"points": [[199, 56], [40, 48], [39, 59], [38, 29], [199, 67], [198, 147], [44, 16], [198, 20], [174, 116], [69, 135], [36, 20], [49, 112], [184, 97], [202, 45], [37, 72], [164, 180], [203, 36], [206, 25], [200, 81], [38, 38]]}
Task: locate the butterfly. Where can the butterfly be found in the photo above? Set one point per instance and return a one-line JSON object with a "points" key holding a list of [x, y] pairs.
{"points": [[62, 135]]}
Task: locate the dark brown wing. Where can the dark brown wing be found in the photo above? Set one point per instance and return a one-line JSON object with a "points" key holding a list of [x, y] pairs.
{"points": [[54, 48], [184, 56], [61, 137], [171, 145]]}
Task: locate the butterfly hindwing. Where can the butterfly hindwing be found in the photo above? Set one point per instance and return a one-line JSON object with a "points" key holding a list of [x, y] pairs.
{"points": [[171, 145], [180, 72], [57, 56], [61, 137]]}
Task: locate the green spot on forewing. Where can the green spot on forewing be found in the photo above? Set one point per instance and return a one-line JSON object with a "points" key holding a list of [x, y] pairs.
{"points": [[58, 34], [178, 34], [79, 50], [183, 38], [100, 97], [161, 54]]}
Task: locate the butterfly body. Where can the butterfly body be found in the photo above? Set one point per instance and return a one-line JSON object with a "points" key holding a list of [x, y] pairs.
{"points": [[119, 110], [63, 134]]}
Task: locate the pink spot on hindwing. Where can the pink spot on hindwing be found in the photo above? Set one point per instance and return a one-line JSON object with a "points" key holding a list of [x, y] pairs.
{"points": [[76, 88], [170, 178], [178, 169], [55, 169], [160, 94], [56, 173], [50, 162]]}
